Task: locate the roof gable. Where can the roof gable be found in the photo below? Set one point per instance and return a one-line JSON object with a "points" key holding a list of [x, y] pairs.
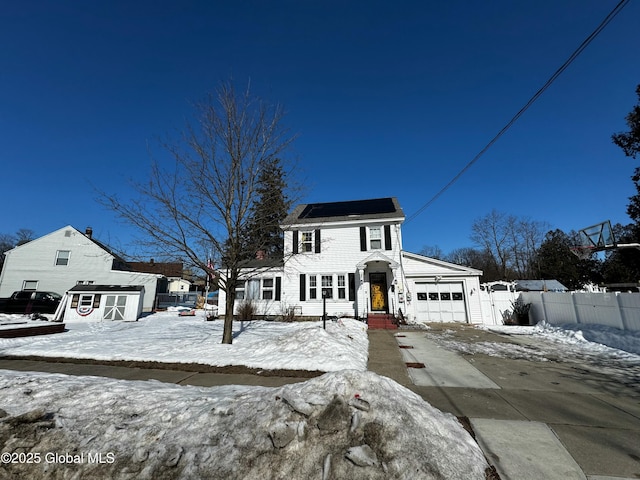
{"points": [[417, 265]]}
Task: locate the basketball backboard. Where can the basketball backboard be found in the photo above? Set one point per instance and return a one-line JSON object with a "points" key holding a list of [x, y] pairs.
{"points": [[598, 237]]}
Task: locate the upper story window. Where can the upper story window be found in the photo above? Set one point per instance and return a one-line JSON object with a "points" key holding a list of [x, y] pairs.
{"points": [[306, 245], [306, 241], [62, 257], [375, 238]]}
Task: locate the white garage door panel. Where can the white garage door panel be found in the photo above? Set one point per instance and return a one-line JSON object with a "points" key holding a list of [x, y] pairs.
{"points": [[440, 302]]}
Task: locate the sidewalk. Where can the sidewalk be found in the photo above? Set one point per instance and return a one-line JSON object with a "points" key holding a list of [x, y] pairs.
{"points": [[533, 420]]}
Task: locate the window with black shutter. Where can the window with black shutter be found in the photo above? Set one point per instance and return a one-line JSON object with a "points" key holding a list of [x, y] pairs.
{"points": [[295, 241], [352, 286], [278, 288], [363, 239], [387, 237], [303, 287], [317, 241]]}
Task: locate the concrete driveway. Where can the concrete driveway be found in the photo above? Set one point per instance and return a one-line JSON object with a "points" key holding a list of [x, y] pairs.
{"points": [[533, 419]]}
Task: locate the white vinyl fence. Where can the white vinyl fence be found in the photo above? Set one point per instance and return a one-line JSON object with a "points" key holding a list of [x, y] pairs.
{"points": [[496, 306], [612, 309]]}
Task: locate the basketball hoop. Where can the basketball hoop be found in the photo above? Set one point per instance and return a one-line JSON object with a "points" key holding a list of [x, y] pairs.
{"points": [[583, 252]]}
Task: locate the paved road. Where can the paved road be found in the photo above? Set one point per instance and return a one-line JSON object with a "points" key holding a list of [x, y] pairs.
{"points": [[533, 420]]}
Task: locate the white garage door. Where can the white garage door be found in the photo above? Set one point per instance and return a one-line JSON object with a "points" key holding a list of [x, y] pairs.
{"points": [[440, 302]]}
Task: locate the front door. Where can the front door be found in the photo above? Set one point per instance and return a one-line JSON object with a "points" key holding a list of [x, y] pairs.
{"points": [[379, 298]]}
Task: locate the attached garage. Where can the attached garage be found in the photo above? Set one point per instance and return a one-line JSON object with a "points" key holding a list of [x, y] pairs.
{"points": [[440, 302], [439, 291]]}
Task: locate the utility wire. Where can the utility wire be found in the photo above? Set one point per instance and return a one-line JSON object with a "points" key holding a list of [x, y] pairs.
{"points": [[553, 77]]}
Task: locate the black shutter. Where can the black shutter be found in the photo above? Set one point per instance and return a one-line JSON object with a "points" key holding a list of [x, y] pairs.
{"points": [[303, 287], [278, 288], [363, 239], [317, 240], [352, 286], [295, 241], [387, 237]]}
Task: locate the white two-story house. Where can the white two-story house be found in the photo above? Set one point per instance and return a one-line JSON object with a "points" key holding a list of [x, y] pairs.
{"points": [[347, 258], [68, 257]]}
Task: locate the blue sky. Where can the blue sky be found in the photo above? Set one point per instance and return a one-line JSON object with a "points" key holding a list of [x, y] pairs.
{"points": [[388, 99]]}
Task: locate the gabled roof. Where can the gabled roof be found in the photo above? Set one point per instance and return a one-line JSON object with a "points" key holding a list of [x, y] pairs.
{"points": [[168, 269], [353, 210], [539, 286], [107, 288], [414, 266]]}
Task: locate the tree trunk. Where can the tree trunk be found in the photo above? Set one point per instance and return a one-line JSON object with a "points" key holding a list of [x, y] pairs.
{"points": [[227, 333]]}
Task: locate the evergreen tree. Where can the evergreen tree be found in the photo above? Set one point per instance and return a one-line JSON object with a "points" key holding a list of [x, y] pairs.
{"points": [[557, 262], [269, 209], [629, 142]]}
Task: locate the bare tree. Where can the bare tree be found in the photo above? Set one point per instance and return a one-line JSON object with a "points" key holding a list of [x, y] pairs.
{"points": [[197, 207], [492, 234], [432, 251], [512, 243], [24, 235]]}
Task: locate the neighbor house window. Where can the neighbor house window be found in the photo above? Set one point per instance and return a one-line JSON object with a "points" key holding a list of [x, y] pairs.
{"points": [[62, 257], [307, 242], [30, 285], [375, 238]]}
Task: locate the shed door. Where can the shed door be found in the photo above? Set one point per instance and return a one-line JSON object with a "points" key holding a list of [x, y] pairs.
{"points": [[440, 302], [114, 308]]}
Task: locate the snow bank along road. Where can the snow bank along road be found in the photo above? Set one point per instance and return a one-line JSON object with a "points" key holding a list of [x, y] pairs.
{"points": [[540, 406]]}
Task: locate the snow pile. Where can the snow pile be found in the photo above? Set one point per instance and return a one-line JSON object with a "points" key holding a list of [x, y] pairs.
{"points": [[168, 338], [607, 337], [348, 424]]}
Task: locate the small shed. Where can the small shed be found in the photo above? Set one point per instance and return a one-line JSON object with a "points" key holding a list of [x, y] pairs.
{"points": [[102, 302]]}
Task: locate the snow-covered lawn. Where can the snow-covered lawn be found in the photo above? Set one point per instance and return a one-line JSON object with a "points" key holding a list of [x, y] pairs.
{"points": [[349, 423], [168, 338]]}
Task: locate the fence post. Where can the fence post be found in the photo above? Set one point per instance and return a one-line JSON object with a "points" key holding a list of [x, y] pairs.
{"points": [[544, 308], [575, 308]]}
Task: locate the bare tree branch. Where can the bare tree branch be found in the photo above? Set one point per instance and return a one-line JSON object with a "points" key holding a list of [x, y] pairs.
{"points": [[197, 202]]}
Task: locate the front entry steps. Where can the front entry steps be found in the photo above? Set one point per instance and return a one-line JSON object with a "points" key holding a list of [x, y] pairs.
{"points": [[382, 321]]}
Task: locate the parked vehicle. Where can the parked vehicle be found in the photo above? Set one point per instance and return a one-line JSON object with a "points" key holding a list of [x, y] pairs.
{"points": [[29, 302]]}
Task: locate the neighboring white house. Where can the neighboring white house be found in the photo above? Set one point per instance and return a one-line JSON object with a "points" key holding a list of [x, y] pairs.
{"points": [[351, 254], [67, 257]]}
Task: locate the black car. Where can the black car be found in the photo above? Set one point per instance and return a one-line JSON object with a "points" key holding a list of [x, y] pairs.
{"points": [[29, 302]]}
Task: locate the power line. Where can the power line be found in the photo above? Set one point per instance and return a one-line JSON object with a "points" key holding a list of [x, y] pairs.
{"points": [[553, 77]]}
